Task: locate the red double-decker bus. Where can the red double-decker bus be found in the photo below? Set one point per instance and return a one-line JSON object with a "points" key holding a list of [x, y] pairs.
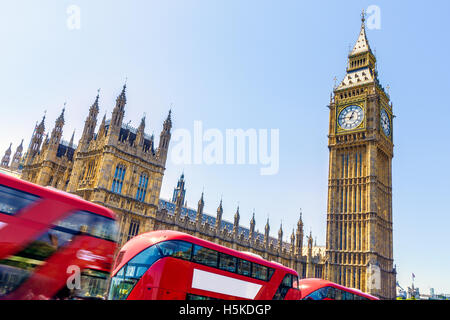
{"points": [[170, 265], [53, 245], [319, 289]]}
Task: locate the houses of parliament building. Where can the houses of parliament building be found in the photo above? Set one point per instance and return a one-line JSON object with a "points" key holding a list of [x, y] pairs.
{"points": [[122, 168]]}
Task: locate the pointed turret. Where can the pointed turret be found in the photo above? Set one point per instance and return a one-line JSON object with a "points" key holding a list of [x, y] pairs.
{"points": [[293, 242], [252, 227], [164, 138], [237, 217], [199, 216], [17, 157], [362, 44], [71, 141], [56, 135], [266, 233], [361, 63], [280, 238], [36, 141], [90, 123], [140, 133], [219, 216], [102, 129], [179, 198], [299, 236], [179, 190], [280, 233], [5, 160], [118, 114]]}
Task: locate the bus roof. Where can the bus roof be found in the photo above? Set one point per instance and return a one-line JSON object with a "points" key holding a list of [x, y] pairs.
{"points": [[144, 240], [46, 192], [310, 285]]}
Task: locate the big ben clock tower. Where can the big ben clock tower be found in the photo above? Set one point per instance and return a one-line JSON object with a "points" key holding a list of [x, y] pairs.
{"points": [[359, 212]]}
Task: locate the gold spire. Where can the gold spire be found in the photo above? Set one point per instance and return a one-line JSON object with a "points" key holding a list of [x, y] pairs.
{"points": [[362, 44]]}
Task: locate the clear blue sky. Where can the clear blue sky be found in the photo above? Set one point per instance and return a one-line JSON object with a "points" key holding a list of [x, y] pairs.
{"points": [[247, 64]]}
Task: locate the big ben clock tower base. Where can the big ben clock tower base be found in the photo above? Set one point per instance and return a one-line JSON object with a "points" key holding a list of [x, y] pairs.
{"points": [[359, 244]]}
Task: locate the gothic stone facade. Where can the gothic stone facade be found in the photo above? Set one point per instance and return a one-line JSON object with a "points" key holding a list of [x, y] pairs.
{"points": [[119, 167]]}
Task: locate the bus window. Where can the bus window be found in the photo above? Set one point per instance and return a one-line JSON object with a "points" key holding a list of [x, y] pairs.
{"points": [[177, 249], [295, 283], [338, 294], [93, 284], [227, 262], [283, 288], [75, 222], [104, 228], [12, 200], [124, 281], [321, 294], [331, 293], [205, 256], [197, 297], [347, 295], [86, 222], [259, 272], [244, 267]]}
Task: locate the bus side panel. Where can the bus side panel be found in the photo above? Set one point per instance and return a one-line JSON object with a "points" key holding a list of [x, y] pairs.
{"points": [[166, 279], [177, 276], [270, 288], [293, 294]]}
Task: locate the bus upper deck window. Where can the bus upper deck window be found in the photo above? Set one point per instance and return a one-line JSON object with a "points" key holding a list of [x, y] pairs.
{"points": [[205, 256], [12, 200], [177, 249]]}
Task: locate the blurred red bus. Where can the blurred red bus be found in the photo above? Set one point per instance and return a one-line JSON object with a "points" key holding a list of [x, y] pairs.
{"points": [[170, 265], [319, 289], [50, 239]]}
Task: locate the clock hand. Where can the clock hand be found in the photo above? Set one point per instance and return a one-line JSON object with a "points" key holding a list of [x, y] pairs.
{"points": [[353, 113]]}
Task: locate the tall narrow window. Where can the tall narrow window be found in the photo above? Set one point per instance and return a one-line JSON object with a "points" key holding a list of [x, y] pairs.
{"points": [[134, 229], [142, 187], [119, 174], [360, 165], [347, 172]]}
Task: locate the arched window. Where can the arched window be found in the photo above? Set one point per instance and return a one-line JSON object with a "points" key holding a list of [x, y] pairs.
{"points": [[119, 174], [90, 170], [142, 187]]}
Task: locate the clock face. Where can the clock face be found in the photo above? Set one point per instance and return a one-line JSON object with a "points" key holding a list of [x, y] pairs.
{"points": [[385, 123], [351, 117]]}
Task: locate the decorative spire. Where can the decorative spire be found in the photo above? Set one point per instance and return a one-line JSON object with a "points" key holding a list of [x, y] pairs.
{"points": [[71, 139], [42, 123], [280, 232], [362, 44], [300, 221], [122, 94], [236, 221], [5, 160], [168, 122], [219, 217], [101, 129], [201, 201], [61, 116], [20, 147]]}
